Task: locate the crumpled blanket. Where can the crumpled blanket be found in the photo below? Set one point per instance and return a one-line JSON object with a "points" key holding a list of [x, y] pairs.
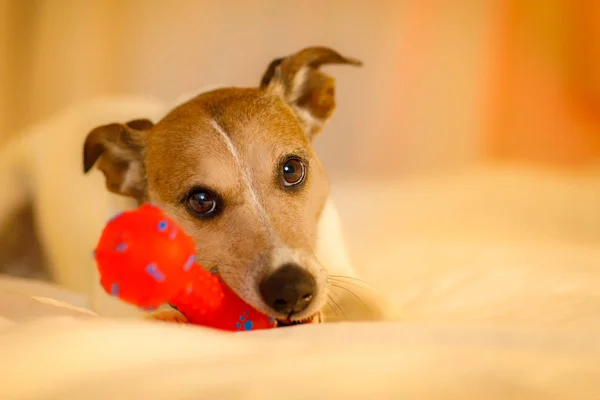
{"points": [[65, 357], [495, 291]]}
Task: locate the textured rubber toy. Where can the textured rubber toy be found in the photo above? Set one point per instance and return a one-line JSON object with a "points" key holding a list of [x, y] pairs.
{"points": [[146, 260]]}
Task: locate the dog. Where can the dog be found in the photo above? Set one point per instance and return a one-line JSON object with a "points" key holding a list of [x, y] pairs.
{"points": [[235, 167]]}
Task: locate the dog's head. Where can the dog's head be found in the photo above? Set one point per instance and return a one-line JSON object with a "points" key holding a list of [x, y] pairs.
{"points": [[236, 168]]}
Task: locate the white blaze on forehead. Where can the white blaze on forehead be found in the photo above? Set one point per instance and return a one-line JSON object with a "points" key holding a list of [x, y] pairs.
{"points": [[281, 253], [246, 178]]}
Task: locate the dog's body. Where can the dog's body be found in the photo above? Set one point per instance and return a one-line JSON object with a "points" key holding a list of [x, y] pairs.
{"points": [[235, 167]]}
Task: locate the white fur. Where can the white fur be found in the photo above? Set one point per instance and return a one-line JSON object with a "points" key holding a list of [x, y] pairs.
{"points": [[246, 178], [282, 254], [44, 166]]}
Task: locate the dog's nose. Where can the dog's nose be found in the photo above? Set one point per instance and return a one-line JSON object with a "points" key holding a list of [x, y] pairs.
{"points": [[288, 290]]}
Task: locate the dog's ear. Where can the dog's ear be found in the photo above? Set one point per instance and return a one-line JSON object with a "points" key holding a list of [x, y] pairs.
{"points": [[309, 92], [118, 151]]}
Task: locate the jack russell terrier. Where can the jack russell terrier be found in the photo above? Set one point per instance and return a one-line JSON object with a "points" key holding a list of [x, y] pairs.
{"points": [[235, 167]]}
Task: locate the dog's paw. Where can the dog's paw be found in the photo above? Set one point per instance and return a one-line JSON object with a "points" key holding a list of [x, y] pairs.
{"points": [[167, 316]]}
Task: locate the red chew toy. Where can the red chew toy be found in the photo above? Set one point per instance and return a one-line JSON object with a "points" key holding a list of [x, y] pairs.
{"points": [[146, 260]]}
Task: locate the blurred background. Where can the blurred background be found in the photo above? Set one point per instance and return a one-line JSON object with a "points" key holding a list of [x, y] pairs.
{"points": [[446, 85], [446, 82], [464, 157]]}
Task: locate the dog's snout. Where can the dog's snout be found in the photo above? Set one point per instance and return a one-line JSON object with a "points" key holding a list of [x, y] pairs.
{"points": [[288, 290]]}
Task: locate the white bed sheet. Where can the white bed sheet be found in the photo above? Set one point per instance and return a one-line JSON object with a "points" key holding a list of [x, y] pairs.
{"points": [[62, 358], [496, 295]]}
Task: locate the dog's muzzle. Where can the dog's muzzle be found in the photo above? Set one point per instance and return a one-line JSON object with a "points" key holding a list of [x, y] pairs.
{"points": [[289, 290]]}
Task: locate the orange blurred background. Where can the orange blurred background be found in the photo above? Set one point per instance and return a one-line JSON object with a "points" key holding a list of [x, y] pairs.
{"points": [[445, 83]]}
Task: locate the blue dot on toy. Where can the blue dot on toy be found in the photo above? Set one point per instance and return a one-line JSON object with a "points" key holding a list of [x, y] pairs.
{"points": [[114, 289], [244, 323], [154, 272], [189, 262], [162, 226], [121, 247]]}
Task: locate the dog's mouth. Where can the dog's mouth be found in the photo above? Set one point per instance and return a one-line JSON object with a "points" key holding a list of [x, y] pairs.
{"points": [[315, 319]]}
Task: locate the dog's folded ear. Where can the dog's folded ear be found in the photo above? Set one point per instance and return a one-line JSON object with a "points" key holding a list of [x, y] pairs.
{"points": [[309, 92], [118, 151]]}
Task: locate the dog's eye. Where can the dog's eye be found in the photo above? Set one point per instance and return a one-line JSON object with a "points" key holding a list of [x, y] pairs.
{"points": [[202, 203], [294, 171]]}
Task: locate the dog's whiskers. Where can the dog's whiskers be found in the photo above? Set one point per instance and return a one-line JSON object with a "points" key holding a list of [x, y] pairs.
{"points": [[332, 309], [356, 285], [338, 306], [353, 278], [352, 293]]}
